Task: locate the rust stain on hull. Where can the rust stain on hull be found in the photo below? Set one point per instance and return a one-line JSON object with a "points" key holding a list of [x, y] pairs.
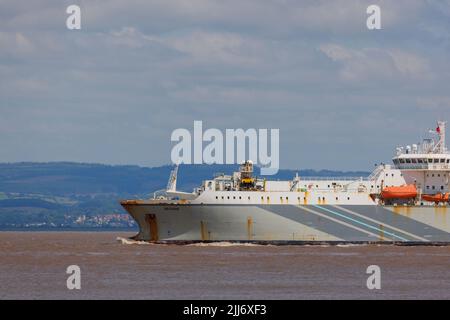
{"points": [[203, 231], [152, 222], [249, 228]]}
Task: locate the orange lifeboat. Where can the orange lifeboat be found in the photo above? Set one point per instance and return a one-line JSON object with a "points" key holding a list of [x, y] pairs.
{"points": [[402, 192], [438, 197]]}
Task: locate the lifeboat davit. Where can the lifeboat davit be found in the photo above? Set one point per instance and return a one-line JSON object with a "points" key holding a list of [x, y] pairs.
{"points": [[401, 192], [438, 197]]}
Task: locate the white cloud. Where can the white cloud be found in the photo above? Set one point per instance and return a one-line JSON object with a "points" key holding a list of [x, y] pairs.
{"points": [[377, 63]]}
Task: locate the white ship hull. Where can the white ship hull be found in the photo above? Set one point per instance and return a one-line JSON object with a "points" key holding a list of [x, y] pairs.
{"points": [[288, 223]]}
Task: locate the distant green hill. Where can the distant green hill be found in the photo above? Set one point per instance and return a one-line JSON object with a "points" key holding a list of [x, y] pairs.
{"points": [[57, 193]]}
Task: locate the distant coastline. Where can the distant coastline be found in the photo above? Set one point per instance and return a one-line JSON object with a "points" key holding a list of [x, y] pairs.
{"points": [[82, 196]]}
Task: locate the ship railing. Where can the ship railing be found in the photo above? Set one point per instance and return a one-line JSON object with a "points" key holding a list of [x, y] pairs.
{"points": [[312, 178], [160, 194], [376, 172]]}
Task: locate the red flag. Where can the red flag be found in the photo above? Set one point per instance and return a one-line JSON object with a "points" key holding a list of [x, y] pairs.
{"points": [[438, 130]]}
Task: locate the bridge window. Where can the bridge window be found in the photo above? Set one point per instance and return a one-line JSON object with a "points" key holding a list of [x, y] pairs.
{"points": [[442, 160], [413, 161], [419, 161], [430, 160], [448, 160], [436, 160], [408, 160], [402, 160]]}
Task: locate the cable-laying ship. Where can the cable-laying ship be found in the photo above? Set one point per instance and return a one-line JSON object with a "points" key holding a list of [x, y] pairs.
{"points": [[406, 202]]}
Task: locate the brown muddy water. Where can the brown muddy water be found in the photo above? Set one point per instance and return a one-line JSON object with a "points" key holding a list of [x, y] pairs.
{"points": [[33, 266]]}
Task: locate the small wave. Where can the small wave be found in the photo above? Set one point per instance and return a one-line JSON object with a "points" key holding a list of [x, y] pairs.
{"points": [[227, 244], [350, 245], [130, 241]]}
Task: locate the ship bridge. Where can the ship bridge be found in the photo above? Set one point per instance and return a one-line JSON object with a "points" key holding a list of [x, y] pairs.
{"points": [[428, 155]]}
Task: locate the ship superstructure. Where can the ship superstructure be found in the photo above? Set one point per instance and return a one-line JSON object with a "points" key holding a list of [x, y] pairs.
{"points": [[405, 201]]}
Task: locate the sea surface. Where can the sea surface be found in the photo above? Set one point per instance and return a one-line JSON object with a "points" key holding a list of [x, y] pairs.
{"points": [[33, 266]]}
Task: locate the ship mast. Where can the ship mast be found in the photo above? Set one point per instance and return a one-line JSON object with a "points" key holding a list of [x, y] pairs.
{"points": [[440, 130]]}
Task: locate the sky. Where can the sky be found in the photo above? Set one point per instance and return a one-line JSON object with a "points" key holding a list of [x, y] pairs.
{"points": [[342, 96]]}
